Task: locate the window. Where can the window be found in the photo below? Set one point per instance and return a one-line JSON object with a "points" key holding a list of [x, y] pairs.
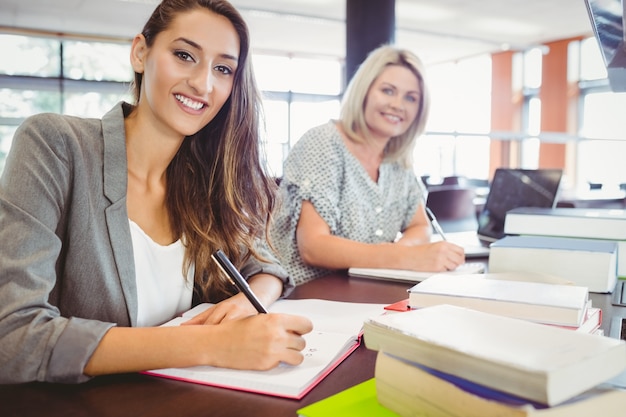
{"points": [[6, 136], [599, 154], [276, 134], [86, 78], [30, 56], [308, 114], [299, 93], [316, 76], [530, 63], [600, 120], [60, 76], [457, 141], [97, 61], [300, 75], [591, 62], [18, 104]]}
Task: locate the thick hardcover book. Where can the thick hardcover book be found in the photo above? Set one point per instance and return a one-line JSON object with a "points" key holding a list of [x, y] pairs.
{"points": [[557, 304], [336, 334], [543, 364], [589, 223], [596, 223], [591, 322], [412, 389], [586, 262]]}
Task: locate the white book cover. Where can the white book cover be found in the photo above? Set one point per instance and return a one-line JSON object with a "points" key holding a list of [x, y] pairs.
{"points": [[588, 223], [596, 223], [545, 303], [542, 363], [585, 262]]}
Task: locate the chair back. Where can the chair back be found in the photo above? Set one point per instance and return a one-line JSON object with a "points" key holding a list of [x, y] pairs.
{"points": [[454, 207]]}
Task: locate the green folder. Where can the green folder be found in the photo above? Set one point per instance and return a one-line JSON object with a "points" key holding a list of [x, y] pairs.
{"points": [[357, 401]]}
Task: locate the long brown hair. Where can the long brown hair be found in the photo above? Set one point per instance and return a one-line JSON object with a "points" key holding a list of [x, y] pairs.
{"points": [[219, 195]]}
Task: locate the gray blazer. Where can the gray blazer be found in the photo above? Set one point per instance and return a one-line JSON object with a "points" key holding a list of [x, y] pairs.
{"points": [[66, 263]]}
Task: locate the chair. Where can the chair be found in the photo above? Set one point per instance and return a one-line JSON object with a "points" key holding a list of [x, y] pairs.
{"points": [[454, 180], [454, 207]]}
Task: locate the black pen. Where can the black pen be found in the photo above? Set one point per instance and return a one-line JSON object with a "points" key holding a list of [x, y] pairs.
{"points": [[235, 277], [435, 223]]}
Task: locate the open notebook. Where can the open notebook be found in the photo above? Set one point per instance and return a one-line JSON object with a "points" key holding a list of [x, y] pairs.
{"points": [[403, 275], [337, 327], [510, 188]]}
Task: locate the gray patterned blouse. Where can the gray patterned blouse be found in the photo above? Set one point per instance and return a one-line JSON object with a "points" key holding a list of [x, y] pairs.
{"points": [[321, 169]]}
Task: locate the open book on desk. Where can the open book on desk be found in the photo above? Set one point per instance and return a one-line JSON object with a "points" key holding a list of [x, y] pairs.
{"points": [[337, 328], [403, 275]]}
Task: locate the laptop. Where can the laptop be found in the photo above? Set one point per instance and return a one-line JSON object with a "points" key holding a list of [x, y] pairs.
{"points": [[510, 188]]}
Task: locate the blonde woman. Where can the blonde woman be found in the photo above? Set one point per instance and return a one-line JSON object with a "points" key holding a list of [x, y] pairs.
{"points": [[351, 198]]}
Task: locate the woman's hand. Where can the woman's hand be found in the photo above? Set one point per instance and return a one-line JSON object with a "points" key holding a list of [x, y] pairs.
{"points": [[233, 308], [430, 257], [266, 287], [259, 342]]}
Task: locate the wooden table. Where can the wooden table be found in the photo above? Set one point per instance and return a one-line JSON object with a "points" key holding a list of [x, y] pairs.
{"points": [[140, 395]]}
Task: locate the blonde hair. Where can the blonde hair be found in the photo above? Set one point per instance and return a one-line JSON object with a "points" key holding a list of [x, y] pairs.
{"points": [[399, 148]]}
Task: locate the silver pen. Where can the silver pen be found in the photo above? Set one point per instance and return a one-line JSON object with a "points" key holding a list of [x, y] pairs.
{"points": [[435, 223]]}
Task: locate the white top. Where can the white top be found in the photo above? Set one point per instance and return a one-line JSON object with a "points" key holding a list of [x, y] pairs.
{"points": [[162, 290]]}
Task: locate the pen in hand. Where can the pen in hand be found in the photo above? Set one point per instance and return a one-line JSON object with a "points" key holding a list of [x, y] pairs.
{"points": [[235, 277], [435, 223]]}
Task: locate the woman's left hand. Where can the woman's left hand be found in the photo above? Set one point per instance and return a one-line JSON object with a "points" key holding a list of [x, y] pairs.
{"points": [[233, 308]]}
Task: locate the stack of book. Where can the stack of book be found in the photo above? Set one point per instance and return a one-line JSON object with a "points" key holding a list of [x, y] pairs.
{"points": [[447, 360], [584, 223], [410, 389], [586, 262]]}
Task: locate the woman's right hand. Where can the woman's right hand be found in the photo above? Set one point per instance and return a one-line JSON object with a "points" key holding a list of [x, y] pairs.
{"points": [[258, 342], [430, 257]]}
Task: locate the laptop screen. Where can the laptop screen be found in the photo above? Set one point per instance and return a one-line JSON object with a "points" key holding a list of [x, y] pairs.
{"points": [[512, 188]]}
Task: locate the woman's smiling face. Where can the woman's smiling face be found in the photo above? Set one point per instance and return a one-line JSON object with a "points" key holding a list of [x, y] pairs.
{"points": [[188, 72], [392, 102]]}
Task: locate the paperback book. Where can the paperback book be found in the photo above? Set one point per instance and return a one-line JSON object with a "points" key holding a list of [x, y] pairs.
{"points": [[585, 262], [411, 389], [578, 222], [546, 303], [543, 364]]}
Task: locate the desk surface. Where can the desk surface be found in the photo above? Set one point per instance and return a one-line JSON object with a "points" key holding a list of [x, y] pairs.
{"points": [[140, 395]]}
